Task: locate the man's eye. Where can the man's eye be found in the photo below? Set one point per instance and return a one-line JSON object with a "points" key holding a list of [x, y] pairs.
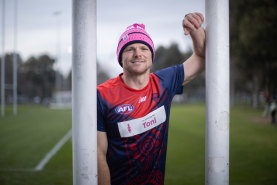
{"points": [[129, 49]]}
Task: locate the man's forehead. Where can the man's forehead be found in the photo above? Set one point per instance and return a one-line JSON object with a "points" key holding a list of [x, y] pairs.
{"points": [[135, 45]]}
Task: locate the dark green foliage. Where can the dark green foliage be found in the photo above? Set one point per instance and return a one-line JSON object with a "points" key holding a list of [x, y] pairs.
{"points": [[253, 30], [166, 57]]}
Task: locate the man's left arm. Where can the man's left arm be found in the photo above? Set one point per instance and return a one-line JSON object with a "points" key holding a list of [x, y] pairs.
{"points": [[192, 25]]}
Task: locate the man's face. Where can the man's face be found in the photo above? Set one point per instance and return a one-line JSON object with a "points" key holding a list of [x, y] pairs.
{"points": [[137, 59]]}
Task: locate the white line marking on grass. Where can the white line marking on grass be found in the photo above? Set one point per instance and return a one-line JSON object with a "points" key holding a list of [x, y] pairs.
{"points": [[54, 150]]}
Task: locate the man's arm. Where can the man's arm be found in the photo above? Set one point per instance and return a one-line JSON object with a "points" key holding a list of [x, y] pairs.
{"points": [[103, 169], [196, 63]]}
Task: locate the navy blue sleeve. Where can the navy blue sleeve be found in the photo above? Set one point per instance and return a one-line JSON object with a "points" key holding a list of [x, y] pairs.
{"points": [[101, 126], [172, 78]]}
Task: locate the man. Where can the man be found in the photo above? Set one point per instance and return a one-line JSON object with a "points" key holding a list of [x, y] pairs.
{"points": [[133, 108]]}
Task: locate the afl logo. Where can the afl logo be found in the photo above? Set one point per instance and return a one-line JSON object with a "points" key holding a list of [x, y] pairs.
{"points": [[125, 37], [124, 109]]}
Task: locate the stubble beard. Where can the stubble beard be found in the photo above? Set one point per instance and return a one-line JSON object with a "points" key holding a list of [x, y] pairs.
{"points": [[133, 71]]}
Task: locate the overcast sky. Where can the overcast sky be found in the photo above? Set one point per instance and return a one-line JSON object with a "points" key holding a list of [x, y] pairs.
{"points": [[41, 30]]}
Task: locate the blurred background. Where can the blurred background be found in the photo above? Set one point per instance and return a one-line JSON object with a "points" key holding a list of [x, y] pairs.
{"points": [[39, 33], [37, 36]]}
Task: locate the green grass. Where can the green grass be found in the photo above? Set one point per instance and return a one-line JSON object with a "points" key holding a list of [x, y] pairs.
{"points": [[186, 146], [24, 141], [253, 147], [26, 138]]}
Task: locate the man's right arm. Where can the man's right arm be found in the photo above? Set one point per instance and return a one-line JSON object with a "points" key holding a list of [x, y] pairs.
{"points": [[103, 169], [196, 63]]}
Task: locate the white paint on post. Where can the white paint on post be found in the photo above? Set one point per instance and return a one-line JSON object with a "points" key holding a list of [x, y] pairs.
{"points": [[84, 93], [3, 62], [217, 93], [15, 61]]}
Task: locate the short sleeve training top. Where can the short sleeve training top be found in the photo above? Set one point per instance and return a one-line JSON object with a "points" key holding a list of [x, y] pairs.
{"points": [[136, 123]]}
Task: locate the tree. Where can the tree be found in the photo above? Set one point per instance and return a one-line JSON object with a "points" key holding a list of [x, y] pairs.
{"points": [[166, 57], [37, 77], [253, 29]]}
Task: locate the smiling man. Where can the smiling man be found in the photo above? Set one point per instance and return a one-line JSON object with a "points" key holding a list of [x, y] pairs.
{"points": [[133, 109]]}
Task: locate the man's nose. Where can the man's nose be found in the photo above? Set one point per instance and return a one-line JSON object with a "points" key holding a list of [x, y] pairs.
{"points": [[137, 52]]}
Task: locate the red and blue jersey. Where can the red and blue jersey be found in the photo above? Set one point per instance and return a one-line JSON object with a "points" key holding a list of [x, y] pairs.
{"points": [[136, 123]]}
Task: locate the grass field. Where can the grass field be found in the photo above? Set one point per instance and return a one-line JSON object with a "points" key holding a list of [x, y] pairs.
{"points": [[26, 138]]}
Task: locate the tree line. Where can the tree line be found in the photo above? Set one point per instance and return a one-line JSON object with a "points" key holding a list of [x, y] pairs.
{"points": [[253, 56], [253, 30], [37, 78], [171, 55]]}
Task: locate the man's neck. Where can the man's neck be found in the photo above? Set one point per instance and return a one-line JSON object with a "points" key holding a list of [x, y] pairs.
{"points": [[136, 81]]}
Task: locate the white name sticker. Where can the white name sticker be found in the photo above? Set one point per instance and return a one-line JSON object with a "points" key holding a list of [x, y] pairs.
{"points": [[140, 125]]}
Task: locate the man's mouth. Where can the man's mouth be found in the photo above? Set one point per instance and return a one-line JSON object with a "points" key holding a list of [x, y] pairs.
{"points": [[137, 61]]}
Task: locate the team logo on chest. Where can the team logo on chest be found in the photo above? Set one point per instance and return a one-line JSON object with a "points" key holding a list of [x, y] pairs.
{"points": [[142, 99], [124, 109]]}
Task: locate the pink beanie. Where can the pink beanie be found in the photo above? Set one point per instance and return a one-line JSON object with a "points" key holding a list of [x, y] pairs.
{"points": [[134, 34]]}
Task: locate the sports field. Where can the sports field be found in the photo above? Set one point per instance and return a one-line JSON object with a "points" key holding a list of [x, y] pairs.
{"points": [[26, 139]]}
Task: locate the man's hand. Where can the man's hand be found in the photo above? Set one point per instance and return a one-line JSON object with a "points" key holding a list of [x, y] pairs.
{"points": [[192, 22], [196, 63]]}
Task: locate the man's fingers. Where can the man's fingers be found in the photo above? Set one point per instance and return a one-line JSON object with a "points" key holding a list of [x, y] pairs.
{"points": [[198, 20], [188, 24], [192, 22], [201, 16], [186, 32], [188, 27]]}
